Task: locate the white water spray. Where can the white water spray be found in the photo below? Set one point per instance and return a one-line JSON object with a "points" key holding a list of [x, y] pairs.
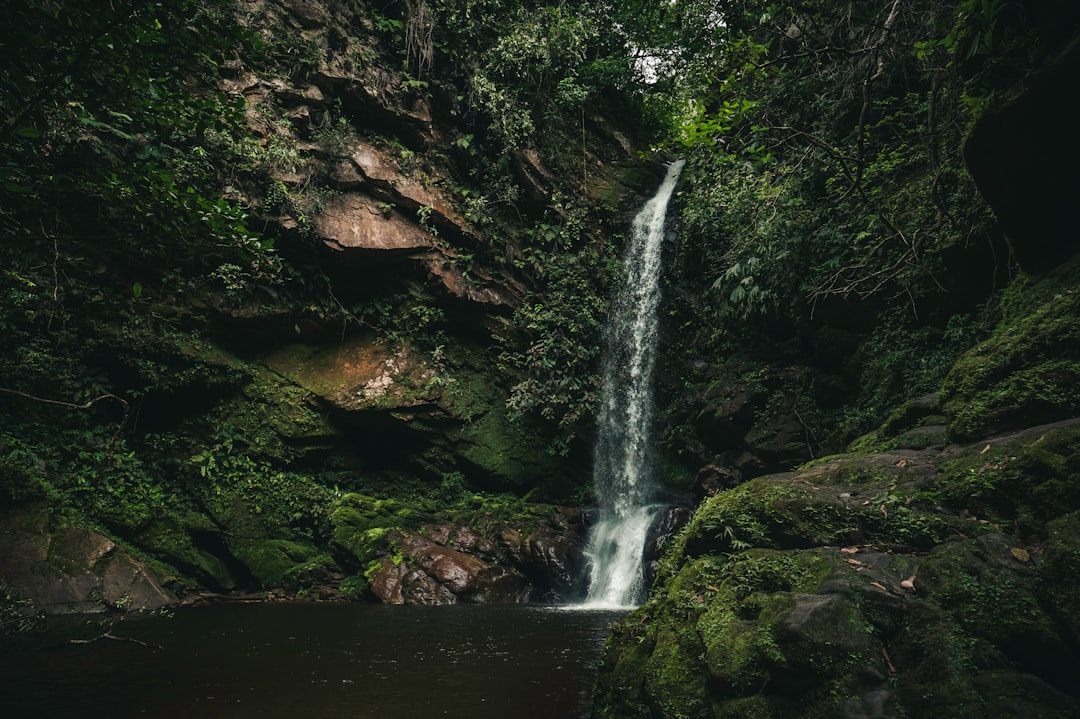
{"points": [[622, 464]]}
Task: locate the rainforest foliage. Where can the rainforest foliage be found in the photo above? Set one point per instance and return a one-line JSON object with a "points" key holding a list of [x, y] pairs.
{"points": [[826, 190]]}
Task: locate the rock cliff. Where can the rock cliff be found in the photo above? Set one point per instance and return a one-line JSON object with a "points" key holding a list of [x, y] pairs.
{"points": [[336, 409]]}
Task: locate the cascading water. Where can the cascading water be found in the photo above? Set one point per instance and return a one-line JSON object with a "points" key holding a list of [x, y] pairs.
{"points": [[621, 467]]}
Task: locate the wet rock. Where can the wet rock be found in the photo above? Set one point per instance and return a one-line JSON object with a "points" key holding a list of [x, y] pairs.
{"points": [[848, 588], [76, 570], [356, 222], [554, 559], [439, 574], [714, 478]]}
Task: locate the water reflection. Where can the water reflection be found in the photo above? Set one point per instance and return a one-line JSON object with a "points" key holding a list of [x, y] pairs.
{"points": [[317, 660]]}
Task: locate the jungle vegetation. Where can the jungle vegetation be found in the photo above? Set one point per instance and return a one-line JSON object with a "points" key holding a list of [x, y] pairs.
{"points": [[825, 188]]}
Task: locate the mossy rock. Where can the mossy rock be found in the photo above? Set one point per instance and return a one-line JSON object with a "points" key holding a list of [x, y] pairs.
{"points": [[917, 424], [502, 451], [251, 499], [982, 640], [673, 677], [1028, 372], [277, 420], [360, 524], [1027, 479], [169, 541], [271, 561], [763, 633], [1059, 575], [824, 633], [874, 499], [498, 453]]}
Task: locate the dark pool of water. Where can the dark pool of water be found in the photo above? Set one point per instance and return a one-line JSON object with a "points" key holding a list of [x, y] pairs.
{"points": [[315, 661]]}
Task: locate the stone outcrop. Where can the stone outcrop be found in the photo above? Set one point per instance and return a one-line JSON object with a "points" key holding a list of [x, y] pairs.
{"points": [[405, 557], [436, 571], [368, 342], [1020, 175], [74, 570], [354, 222], [872, 585]]}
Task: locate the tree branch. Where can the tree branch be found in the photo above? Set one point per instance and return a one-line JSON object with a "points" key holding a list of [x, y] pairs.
{"points": [[71, 405]]}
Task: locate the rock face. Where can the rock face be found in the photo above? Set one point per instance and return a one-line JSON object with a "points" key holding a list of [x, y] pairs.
{"points": [[407, 559], [74, 570], [354, 222], [878, 585], [1031, 197], [363, 341]]}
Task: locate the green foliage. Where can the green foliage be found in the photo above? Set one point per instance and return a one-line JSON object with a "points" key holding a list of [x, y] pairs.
{"points": [[825, 191], [252, 498], [541, 61], [564, 323], [536, 59], [902, 358], [17, 616], [115, 155]]}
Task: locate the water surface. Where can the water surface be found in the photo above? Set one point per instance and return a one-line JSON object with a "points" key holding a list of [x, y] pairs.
{"points": [[317, 661]]}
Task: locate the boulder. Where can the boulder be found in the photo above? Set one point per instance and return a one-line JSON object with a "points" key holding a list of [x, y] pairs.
{"points": [[439, 574], [75, 569], [868, 585], [358, 223], [1021, 176]]}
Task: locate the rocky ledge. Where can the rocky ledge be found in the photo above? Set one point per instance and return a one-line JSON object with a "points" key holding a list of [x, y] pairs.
{"points": [[931, 582]]}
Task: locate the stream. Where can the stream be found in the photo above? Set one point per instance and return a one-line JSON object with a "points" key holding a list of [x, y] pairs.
{"points": [[313, 660]]}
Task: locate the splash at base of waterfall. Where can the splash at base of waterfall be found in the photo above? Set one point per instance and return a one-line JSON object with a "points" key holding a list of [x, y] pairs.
{"points": [[617, 546]]}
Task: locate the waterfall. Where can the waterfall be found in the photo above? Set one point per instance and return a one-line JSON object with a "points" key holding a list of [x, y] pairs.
{"points": [[622, 463]]}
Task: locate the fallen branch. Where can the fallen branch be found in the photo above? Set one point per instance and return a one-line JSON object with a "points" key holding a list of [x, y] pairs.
{"points": [[110, 635], [71, 405]]}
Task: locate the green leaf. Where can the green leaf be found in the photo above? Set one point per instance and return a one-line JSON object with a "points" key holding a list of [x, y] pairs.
{"points": [[136, 290]]}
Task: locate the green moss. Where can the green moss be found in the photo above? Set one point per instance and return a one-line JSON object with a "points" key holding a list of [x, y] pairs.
{"points": [[723, 630], [993, 595], [1028, 371], [1027, 481], [863, 501], [739, 653], [740, 517], [983, 639], [1058, 575], [504, 450], [916, 424], [938, 664], [756, 707], [270, 561], [503, 453], [360, 524], [167, 540], [673, 677]]}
